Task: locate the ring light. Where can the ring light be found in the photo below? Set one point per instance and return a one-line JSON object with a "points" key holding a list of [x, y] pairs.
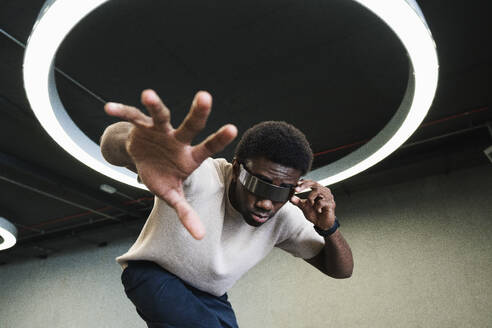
{"points": [[404, 18]]}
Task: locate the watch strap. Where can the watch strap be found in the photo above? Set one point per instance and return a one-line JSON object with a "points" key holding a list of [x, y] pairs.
{"points": [[329, 232]]}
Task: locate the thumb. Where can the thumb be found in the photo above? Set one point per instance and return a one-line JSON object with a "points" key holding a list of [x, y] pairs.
{"points": [[298, 202], [187, 215]]}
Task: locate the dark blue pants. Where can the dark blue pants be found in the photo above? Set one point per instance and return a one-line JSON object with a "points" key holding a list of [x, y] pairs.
{"points": [[165, 301]]}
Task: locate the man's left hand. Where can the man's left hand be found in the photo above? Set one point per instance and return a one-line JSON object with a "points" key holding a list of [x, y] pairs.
{"points": [[319, 206]]}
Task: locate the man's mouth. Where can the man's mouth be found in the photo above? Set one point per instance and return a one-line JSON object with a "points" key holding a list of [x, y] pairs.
{"points": [[260, 218]]}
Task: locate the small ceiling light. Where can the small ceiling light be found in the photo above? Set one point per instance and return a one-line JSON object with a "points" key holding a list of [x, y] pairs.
{"points": [[403, 17], [488, 152], [8, 234], [107, 188]]}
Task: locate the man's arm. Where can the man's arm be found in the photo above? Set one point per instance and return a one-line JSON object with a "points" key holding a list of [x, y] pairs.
{"points": [[335, 259], [163, 156]]}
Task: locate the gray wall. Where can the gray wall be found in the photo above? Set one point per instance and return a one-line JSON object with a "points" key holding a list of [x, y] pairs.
{"points": [[423, 258]]}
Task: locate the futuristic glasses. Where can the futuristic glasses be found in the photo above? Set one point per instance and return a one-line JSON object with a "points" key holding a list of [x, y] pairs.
{"points": [[262, 188]]}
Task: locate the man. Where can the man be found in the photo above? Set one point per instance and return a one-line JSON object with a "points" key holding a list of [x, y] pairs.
{"points": [[213, 220]]}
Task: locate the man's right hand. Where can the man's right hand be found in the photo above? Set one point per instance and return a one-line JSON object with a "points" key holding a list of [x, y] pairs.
{"points": [[163, 156]]}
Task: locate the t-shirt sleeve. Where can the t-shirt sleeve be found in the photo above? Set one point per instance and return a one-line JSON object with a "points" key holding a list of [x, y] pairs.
{"points": [[199, 179], [203, 181], [298, 236]]}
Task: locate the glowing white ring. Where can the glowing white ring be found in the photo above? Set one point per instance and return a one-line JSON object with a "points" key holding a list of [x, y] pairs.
{"points": [[59, 17], [8, 232]]}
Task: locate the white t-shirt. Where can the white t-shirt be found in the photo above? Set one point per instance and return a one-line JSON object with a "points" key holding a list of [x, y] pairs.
{"points": [[230, 247]]}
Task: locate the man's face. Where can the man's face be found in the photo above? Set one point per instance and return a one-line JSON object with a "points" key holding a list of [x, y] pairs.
{"points": [[257, 210]]}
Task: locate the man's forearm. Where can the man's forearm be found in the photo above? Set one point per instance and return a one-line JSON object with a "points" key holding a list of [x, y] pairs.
{"points": [[335, 259], [338, 260], [113, 144]]}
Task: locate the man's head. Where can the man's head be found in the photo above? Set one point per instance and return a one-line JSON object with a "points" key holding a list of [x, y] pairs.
{"points": [[270, 153], [277, 141]]}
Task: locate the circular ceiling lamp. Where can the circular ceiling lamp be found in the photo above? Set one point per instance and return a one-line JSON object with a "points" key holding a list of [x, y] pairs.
{"points": [[8, 234], [404, 18]]}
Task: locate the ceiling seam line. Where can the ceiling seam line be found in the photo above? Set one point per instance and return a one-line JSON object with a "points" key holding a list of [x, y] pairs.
{"points": [[423, 125], [453, 133], [57, 198], [25, 112], [74, 226], [406, 145], [81, 86], [65, 75], [12, 38], [68, 218]]}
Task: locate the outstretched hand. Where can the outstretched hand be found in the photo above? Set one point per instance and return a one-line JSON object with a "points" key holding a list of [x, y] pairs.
{"points": [[163, 156]]}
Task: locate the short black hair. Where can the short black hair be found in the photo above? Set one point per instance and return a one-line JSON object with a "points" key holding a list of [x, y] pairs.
{"points": [[277, 141]]}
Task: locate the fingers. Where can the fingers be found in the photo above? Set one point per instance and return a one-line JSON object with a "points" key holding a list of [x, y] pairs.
{"points": [[308, 207], [196, 119], [301, 203], [161, 115], [187, 215], [319, 201], [128, 113], [322, 205], [314, 196], [305, 184], [214, 143]]}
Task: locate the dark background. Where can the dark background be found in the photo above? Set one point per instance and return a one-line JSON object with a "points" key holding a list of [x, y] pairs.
{"points": [[329, 67]]}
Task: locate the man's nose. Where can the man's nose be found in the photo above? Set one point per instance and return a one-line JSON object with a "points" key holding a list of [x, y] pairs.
{"points": [[264, 204]]}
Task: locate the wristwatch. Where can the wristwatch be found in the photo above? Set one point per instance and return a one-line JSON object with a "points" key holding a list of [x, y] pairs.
{"points": [[329, 232]]}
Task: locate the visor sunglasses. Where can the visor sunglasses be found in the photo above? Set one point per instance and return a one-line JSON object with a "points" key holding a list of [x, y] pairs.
{"points": [[262, 188]]}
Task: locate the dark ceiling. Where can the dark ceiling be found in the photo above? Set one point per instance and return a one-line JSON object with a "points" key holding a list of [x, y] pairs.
{"points": [[329, 67]]}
